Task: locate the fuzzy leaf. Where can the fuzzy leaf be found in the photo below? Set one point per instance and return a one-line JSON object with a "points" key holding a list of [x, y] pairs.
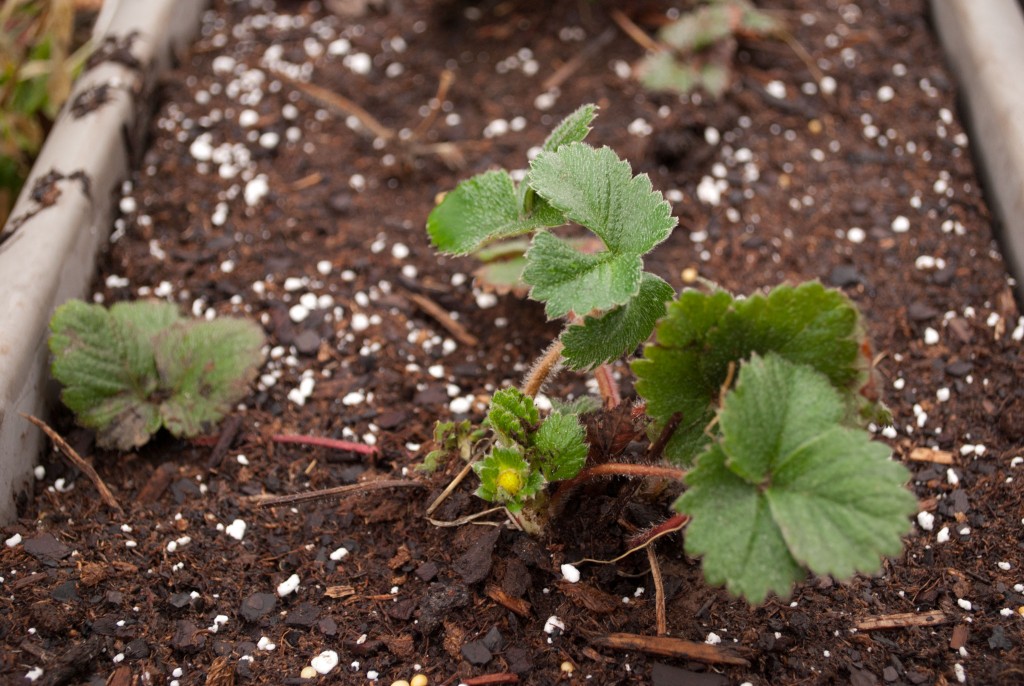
{"points": [[567, 280], [561, 446], [483, 208], [104, 360], [572, 129], [789, 487], [506, 478], [205, 367], [683, 371], [138, 366], [593, 187], [602, 339], [513, 416]]}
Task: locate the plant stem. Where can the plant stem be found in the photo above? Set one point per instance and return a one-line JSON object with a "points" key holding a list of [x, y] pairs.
{"points": [[631, 470], [607, 386], [324, 442], [542, 369], [673, 523], [336, 492], [659, 592]]}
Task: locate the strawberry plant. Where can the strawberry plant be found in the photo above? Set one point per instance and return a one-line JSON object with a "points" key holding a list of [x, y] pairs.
{"points": [[764, 397], [129, 370]]}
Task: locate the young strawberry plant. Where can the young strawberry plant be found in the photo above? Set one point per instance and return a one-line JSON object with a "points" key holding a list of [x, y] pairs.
{"points": [[139, 366], [765, 397]]}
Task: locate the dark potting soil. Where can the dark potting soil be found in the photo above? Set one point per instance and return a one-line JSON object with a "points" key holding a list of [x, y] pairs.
{"points": [[265, 193]]}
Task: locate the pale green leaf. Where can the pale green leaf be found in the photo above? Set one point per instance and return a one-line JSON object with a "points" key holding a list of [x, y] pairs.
{"points": [[566, 280], [661, 71], [507, 478], [205, 367], [483, 208], [699, 29], [593, 187], [732, 529], [790, 486], [561, 447], [573, 129], [602, 339]]}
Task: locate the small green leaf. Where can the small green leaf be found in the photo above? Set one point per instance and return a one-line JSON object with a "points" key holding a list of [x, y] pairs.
{"points": [[602, 339], [506, 478], [700, 28], [790, 487], [561, 447], [567, 280], [593, 187], [572, 129], [513, 416], [585, 404], [205, 367], [481, 209]]}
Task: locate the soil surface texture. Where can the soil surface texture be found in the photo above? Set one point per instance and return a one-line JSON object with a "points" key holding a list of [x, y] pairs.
{"points": [[266, 191]]}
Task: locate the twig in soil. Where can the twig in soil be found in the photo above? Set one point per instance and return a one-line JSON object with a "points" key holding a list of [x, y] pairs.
{"points": [[607, 387], [659, 592], [76, 459], [563, 73], [224, 441], [636, 33], [903, 619], [443, 84], [340, 103], [498, 678], [449, 488], [444, 523], [517, 605], [444, 319], [931, 455], [542, 369], [336, 492], [667, 646], [323, 442], [670, 525]]}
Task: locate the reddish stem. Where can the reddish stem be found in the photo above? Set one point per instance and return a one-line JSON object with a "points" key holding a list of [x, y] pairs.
{"points": [[673, 523], [628, 469], [607, 386], [499, 678], [323, 442]]}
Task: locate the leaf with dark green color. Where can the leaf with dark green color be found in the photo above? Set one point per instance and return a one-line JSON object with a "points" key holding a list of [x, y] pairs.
{"points": [[789, 487], [483, 208], [602, 339], [561, 447], [702, 334]]}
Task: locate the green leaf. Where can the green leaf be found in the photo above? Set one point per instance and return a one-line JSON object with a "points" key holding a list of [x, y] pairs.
{"points": [[567, 280], [602, 339], [702, 334], [131, 369], [561, 447], [104, 360], [699, 29], [572, 129], [507, 478], [789, 487], [513, 416], [593, 187], [481, 209], [205, 367]]}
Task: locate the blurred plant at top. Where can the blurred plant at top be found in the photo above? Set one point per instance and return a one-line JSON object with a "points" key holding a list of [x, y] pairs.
{"points": [[38, 64], [696, 50]]}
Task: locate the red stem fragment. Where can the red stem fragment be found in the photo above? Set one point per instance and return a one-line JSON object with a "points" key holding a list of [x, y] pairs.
{"points": [[673, 523], [607, 386], [629, 469], [323, 442], [498, 678]]}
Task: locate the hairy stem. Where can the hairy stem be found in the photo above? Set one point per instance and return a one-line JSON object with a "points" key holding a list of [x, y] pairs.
{"points": [[542, 369], [608, 387], [631, 470], [323, 442]]}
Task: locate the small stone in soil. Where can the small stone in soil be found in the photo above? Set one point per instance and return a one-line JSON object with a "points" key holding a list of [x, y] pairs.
{"points": [[188, 638], [46, 549], [475, 564], [307, 342], [303, 614], [439, 599], [494, 640], [257, 605], [476, 653]]}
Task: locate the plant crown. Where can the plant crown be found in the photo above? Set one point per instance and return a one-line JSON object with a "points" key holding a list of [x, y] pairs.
{"points": [[139, 366]]}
